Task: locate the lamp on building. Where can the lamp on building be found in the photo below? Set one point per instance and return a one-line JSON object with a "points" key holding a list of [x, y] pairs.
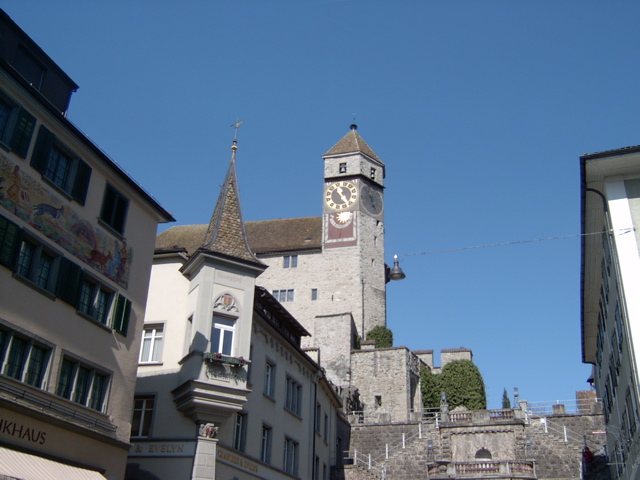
{"points": [[396, 272]]}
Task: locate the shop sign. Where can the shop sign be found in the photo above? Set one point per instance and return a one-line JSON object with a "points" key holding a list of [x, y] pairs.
{"points": [[237, 461], [163, 449], [10, 429]]}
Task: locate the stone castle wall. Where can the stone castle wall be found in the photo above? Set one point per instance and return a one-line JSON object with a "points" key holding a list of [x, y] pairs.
{"points": [[388, 380]]}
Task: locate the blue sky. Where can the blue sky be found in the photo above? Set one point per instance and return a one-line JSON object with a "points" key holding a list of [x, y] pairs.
{"points": [[479, 109]]}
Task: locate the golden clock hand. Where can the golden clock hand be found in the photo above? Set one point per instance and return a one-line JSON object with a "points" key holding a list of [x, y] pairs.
{"points": [[344, 199]]}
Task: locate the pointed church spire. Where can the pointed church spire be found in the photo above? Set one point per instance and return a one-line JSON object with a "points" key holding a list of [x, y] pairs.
{"points": [[226, 234]]}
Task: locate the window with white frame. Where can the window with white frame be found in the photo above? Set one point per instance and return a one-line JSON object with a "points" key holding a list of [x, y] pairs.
{"points": [[239, 431], [284, 295], [222, 332], [290, 261], [270, 379], [23, 358], [151, 350], [265, 444], [143, 406], [293, 399], [82, 384], [291, 452]]}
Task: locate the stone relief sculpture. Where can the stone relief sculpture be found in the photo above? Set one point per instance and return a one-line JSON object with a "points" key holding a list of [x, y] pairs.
{"points": [[208, 430], [226, 302]]}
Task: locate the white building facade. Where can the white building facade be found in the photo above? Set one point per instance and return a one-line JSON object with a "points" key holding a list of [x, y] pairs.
{"points": [[76, 245], [224, 389], [610, 286]]}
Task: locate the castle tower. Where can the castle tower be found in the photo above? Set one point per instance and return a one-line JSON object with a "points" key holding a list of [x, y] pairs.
{"points": [[353, 228]]}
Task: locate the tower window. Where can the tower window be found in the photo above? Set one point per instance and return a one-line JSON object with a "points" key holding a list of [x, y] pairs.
{"points": [[222, 335], [290, 261], [343, 168], [314, 294], [373, 173], [284, 295]]}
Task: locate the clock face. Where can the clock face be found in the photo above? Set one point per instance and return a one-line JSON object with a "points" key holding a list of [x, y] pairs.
{"points": [[371, 200], [341, 195]]}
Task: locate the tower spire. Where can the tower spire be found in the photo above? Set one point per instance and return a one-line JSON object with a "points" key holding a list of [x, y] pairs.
{"points": [[226, 234]]}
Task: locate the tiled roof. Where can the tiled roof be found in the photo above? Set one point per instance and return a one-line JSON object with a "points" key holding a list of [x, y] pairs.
{"points": [[225, 232], [352, 142], [285, 234], [266, 236]]}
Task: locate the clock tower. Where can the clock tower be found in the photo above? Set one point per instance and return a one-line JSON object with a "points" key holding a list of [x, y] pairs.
{"points": [[353, 229]]}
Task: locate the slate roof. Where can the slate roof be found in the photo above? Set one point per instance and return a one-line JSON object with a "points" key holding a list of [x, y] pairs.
{"points": [[352, 142], [264, 237], [225, 233]]}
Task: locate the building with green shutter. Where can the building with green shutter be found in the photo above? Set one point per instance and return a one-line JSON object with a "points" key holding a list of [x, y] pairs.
{"points": [[76, 245]]}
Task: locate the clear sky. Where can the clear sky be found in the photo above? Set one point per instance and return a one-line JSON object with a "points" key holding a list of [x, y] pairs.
{"points": [[479, 109]]}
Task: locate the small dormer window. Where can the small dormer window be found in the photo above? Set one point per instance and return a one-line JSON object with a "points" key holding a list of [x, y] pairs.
{"points": [[373, 173], [343, 168]]}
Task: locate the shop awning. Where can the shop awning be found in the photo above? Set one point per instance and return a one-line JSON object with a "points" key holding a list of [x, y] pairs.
{"points": [[23, 466]]}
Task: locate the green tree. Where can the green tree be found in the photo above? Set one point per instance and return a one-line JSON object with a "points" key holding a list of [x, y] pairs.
{"points": [[462, 382], [430, 386], [506, 403], [382, 336]]}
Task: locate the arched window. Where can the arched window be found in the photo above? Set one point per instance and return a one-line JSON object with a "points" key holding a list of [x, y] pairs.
{"points": [[483, 454]]}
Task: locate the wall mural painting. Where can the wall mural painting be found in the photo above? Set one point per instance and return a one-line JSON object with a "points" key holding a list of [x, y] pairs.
{"points": [[40, 207]]}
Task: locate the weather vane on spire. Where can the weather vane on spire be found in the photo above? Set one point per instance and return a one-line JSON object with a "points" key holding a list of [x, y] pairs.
{"points": [[235, 134]]}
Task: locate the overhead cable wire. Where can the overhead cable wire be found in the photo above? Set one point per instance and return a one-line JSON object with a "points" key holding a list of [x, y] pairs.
{"points": [[622, 231]]}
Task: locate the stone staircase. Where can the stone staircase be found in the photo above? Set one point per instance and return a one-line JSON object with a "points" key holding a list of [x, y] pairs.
{"points": [[381, 447]]}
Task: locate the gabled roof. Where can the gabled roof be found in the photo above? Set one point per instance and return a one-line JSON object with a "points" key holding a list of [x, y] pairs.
{"points": [[273, 236], [263, 237], [352, 142]]}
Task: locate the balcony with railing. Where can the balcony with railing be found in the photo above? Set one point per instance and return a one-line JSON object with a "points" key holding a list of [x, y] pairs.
{"points": [[506, 469], [482, 417]]}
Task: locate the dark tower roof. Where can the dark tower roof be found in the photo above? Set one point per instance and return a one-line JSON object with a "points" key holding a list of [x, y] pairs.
{"points": [[352, 142], [225, 233]]}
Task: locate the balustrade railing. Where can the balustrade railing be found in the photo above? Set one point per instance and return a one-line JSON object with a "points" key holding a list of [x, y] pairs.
{"points": [[483, 467], [482, 416]]}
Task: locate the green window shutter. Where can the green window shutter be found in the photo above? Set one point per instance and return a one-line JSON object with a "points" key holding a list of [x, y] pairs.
{"points": [[81, 182], [22, 133], [10, 239], [44, 143], [121, 314], [69, 278]]}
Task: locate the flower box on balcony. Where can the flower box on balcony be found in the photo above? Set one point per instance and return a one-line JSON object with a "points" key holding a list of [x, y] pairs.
{"points": [[214, 357]]}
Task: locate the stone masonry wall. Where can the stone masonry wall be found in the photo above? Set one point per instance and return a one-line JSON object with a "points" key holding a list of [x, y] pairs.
{"points": [[554, 458], [334, 335], [388, 382]]}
